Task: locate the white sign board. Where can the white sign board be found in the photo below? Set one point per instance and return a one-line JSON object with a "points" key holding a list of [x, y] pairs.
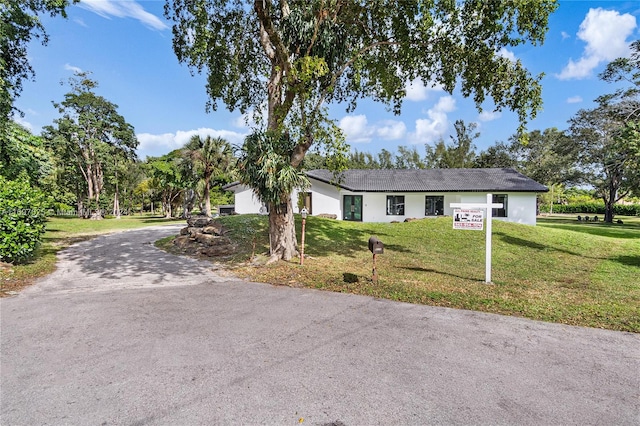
{"points": [[468, 219], [483, 206]]}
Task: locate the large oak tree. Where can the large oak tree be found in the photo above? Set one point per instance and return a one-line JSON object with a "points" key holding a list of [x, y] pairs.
{"points": [[292, 57], [90, 134]]}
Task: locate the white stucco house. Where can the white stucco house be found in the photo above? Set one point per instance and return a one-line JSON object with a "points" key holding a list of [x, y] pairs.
{"points": [[395, 195]]}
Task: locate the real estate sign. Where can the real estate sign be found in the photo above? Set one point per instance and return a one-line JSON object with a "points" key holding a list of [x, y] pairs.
{"points": [[468, 219]]}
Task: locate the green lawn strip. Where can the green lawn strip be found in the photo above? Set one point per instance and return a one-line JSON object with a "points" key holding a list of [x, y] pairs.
{"points": [[62, 232], [546, 272]]}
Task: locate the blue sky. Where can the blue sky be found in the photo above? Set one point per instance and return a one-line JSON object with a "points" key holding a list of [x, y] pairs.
{"points": [[126, 44]]}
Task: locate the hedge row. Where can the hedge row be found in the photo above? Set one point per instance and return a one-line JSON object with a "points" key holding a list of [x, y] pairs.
{"points": [[594, 208]]}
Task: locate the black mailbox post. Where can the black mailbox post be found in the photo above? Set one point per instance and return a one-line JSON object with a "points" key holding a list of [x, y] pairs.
{"points": [[375, 247]]}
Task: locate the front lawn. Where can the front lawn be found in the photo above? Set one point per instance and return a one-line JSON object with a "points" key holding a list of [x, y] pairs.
{"points": [[560, 271]]}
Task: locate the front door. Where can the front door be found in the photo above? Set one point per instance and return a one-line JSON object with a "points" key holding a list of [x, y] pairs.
{"points": [[352, 207]]}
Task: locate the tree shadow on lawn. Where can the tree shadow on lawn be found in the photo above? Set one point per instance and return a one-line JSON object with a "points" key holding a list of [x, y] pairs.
{"points": [[627, 260], [623, 259], [435, 271], [322, 238], [601, 229]]}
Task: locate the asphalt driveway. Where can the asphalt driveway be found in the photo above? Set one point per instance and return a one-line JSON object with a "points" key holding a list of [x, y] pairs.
{"points": [[123, 333]]}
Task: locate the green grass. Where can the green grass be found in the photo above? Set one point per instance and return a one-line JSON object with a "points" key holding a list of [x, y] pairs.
{"points": [[62, 232], [561, 271]]}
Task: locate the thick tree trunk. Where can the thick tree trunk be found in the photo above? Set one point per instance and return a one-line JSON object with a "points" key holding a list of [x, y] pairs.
{"points": [[608, 208], [116, 205], [282, 232], [207, 198]]}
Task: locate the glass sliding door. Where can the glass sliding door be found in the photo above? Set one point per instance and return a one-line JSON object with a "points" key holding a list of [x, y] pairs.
{"points": [[352, 208]]}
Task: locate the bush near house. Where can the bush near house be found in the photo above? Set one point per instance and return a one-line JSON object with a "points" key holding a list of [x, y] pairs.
{"points": [[22, 219], [594, 208]]}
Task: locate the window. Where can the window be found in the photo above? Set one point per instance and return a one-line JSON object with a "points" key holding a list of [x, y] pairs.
{"points": [[395, 205], [500, 198], [434, 205]]}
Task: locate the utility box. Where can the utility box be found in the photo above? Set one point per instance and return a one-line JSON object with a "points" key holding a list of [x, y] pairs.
{"points": [[375, 245]]}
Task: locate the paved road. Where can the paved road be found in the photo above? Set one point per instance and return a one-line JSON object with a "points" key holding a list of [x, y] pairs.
{"points": [[125, 334]]}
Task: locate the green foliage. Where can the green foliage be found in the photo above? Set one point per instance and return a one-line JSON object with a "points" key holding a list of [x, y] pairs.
{"points": [[91, 136], [19, 24], [22, 152], [370, 49], [264, 165], [208, 159], [22, 219], [168, 179]]}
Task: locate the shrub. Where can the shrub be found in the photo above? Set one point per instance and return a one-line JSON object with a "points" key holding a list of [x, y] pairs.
{"points": [[22, 219]]}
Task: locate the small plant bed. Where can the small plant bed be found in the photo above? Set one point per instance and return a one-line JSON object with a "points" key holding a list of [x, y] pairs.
{"points": [[559, 271], [61, 232]]}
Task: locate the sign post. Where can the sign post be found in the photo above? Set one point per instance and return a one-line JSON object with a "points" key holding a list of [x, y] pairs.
{"points": [[468, 218]]}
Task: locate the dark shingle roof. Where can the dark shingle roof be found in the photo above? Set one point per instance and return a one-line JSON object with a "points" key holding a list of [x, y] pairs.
{"points": [[431, 180]]}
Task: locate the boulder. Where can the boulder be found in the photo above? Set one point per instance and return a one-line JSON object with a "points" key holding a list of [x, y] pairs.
{"points": [[199, 221], [213, 229], [222, 250], [203, 236], [212, 240], [411, 219], [327, 215]]}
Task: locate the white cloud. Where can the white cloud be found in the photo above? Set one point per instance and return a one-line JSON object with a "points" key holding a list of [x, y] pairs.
{"points": [[506, 54], [72, 68], [417, 91], [565, 35], [356, 128], [155, 145], [124, 9], [605, 32], [390, 130], [435, 126], [574, 99], [489, 115]]}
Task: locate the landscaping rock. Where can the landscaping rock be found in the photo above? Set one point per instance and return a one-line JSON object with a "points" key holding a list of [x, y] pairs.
{"points": [[204, 236], [327, 216], [213, 229], [199, 221], [182, 241], [222, 250], [411, 219]]}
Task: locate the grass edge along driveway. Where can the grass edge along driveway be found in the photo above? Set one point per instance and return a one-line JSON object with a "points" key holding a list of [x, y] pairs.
{"points": [[561, 271]]}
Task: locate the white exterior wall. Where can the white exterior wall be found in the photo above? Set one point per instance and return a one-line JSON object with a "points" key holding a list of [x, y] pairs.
{"points": [[326, 198], [245, 201], [521, 208]]}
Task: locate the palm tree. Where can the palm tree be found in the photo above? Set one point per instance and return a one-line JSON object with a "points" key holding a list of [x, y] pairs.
{"points": [[209, 157]]}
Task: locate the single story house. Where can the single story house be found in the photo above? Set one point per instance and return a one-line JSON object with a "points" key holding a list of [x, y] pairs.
{"points": [[386, 195]]}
